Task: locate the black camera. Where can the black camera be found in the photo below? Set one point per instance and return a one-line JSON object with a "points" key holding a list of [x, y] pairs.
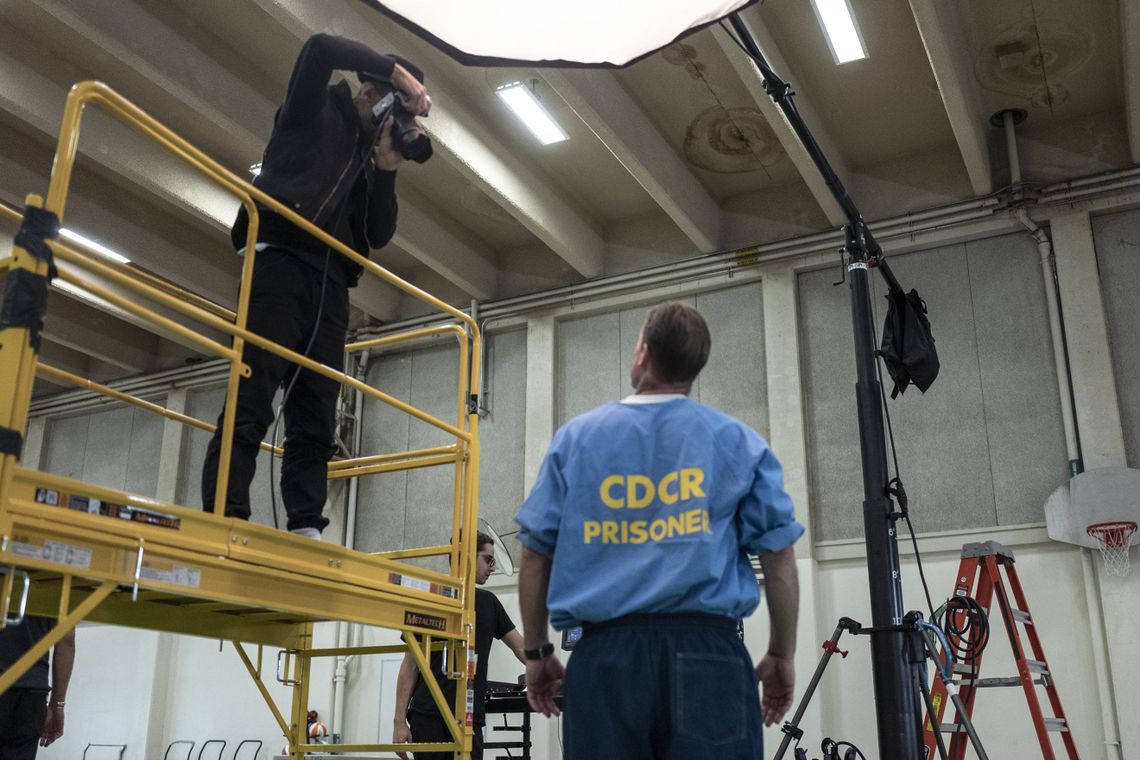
{"points": [[409, 138]]}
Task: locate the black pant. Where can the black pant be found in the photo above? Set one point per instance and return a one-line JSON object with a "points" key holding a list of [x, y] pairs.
{"points": [[285, 298], [431, 728], [661, 687], [22, 715]]}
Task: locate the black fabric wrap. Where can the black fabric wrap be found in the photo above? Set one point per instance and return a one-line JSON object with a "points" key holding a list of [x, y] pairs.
{"points": [[11, 442], [39, 225], [25, 303], [25, 292]]}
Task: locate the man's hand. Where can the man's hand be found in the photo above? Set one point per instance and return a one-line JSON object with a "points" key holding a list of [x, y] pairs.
{"points": [[543, 683], [401, 734], [416, 98], [777, 677], [384, 154], [53, 725]]}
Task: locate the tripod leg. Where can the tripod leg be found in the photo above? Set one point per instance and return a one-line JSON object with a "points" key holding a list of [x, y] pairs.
{"points": [[920, 674], [791, 728]]}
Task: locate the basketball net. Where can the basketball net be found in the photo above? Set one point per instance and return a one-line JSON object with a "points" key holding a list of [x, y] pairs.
{"points": [[1113, 539]]}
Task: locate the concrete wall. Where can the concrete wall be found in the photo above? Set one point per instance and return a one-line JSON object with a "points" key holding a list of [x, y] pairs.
{"points": [[1117, 239], [985, 445], [980, 453]]}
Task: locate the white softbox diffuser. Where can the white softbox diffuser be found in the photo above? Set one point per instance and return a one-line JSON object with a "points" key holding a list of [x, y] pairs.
{"points": [[609, 33]]}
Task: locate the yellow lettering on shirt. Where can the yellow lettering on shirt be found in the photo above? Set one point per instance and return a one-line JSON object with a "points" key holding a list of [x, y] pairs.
{"points": [[691, 479], [637, 532], [639, 491], [607, 487], [590, 529], [693, 520], [609, 532]]}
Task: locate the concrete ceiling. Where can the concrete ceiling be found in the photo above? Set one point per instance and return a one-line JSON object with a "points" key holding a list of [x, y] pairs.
{"points": [[678, 155]]}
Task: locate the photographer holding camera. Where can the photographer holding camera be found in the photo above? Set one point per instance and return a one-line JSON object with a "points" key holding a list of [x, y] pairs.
{"points": [[332, 159]]}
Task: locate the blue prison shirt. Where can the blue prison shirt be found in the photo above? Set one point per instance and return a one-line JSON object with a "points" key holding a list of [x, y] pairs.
{"points": [[652, 505]]}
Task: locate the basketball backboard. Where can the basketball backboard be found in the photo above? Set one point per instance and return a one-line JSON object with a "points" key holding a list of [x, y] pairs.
{"points": [[1103, 495]]}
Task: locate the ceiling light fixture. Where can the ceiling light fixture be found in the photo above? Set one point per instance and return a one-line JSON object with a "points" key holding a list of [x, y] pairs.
{"points": [[102, 250], [525, 104], [842, 33]]}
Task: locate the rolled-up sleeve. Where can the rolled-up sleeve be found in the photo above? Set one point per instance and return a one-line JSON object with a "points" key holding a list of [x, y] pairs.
{"points": [[767, 520], [541, 514]]}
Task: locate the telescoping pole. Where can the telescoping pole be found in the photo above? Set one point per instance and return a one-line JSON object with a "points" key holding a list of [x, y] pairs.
{"points": [[897, 714]]}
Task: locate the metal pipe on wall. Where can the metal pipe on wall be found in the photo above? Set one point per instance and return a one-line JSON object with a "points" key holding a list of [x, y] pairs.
{"points": [[909, 226], [342, 630], [1052, 302]]}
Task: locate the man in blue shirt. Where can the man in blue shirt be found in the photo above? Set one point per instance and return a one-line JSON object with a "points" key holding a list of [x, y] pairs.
{"points": [[639, 528]]}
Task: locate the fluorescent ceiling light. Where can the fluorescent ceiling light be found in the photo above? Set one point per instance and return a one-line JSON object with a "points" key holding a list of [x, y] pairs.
{"points": [[102, 250], [842, 34], [523, 102]]}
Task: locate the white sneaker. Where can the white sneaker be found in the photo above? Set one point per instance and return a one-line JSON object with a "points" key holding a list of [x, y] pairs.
{"points": [[312, 533]]}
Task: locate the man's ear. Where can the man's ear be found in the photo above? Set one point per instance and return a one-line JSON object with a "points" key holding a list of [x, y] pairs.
{"points": [[370, 92]]}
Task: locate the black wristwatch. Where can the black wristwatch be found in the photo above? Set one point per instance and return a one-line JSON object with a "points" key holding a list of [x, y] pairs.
{"points": [[541, 653]]}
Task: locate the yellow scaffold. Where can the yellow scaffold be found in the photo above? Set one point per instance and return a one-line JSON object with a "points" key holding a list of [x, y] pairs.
{"points": [[76, 551]]}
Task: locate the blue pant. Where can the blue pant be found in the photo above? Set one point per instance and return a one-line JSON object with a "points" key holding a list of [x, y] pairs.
{"points": [[662, 687]]}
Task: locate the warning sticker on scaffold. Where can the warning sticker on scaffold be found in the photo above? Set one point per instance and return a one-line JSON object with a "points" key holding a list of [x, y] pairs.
{"points": [[421, 585], [55, 551], [176, 575]]}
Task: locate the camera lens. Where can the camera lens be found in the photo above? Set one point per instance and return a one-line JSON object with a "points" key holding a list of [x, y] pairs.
{"points": [[411, 140]]}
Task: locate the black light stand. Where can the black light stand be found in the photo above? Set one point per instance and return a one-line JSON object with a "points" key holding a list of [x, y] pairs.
{"points": [[897, 708]]}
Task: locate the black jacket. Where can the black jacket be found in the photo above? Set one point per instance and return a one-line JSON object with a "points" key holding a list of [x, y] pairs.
{"points": [[318, 161]]}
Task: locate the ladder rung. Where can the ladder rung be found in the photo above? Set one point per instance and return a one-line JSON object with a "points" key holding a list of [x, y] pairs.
{"points": [[1056, 724], [964, 669], [982, 683], [1022, 616], [952, 728], [1037, 666]]}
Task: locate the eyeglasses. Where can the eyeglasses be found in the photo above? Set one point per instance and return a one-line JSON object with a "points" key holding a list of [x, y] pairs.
{"points": [[489, 558]]}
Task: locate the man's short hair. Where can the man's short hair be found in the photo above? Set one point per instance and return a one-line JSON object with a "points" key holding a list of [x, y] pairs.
{"points": [[678, 340], [481, 540]]}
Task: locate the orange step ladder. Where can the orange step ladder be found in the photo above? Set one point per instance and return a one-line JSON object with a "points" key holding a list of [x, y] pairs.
{"points": [[980, 577]]}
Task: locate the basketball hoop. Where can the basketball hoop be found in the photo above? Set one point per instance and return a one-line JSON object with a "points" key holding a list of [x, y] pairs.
{"points": [[1113, 538]]}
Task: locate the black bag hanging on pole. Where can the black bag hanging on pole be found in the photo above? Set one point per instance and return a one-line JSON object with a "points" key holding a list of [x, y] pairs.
{"points": [[908, 347]]}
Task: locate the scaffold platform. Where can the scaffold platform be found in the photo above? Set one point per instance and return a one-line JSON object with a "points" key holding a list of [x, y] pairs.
{"points": [[76, 551]]}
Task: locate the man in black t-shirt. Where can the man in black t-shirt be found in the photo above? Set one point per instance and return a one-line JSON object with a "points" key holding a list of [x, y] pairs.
{"points": [[32, 710], [417, 718]]}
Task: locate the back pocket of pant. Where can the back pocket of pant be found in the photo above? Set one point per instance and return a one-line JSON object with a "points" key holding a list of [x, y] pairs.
{"points": [[710, 698]]}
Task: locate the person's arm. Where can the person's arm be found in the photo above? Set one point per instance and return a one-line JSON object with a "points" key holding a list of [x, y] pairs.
{"points": [[62, 662], [382, 205], [543, 677], [776, 670], [321, 55], [514, 642], [405, 683]]}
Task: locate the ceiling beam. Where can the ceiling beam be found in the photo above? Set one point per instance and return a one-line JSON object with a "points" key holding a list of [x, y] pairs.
{"points": [[604, 106], [85, 329], [940, 27], [461, 139], [38, 102], [173, 67], [1130, 28], [100, 211], [752, 79]]}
